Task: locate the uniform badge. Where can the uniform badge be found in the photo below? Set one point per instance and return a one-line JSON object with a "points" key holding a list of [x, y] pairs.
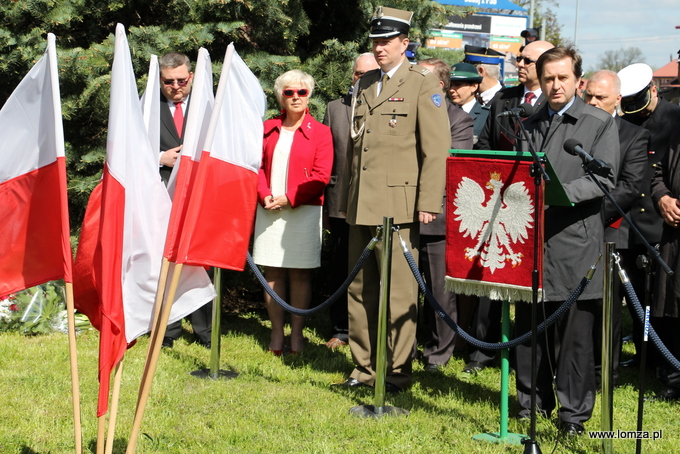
{"points": [[437, 99]]}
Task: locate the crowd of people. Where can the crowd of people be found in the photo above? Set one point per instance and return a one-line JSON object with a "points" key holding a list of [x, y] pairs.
{"points": [[381, 151]]}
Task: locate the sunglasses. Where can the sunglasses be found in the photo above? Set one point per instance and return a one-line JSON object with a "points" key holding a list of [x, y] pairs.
{"points": [[301, 92], [180, 82], [527, 61]]}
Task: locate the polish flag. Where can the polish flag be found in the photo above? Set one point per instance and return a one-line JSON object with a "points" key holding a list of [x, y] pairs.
{"points": [[119, 258], [221, 207], [34, 225], [181, 183]]}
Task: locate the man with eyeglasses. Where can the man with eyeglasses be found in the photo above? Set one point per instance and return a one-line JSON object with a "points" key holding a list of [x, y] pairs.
{"points": [[500, 134], [176, 78], [400, 140], [337, 117]]}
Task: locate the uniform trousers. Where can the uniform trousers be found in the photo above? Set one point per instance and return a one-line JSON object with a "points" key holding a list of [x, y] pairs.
{"points": [[339, 271], [569, 349], [439, 346], [363, 301]]}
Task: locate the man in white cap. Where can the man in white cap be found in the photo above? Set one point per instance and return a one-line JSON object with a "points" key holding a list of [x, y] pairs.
{"points": [[401, 138], [642, 106]]}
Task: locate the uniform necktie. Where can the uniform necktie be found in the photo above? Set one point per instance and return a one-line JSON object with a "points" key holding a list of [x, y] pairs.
{"points": [[178, 119], [528, 97], [383, 81]]}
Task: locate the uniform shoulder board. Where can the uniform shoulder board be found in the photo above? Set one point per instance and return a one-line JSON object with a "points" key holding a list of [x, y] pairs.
{"points": [[420, 69]]}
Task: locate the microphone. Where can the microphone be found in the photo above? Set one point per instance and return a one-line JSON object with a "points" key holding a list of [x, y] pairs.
{"points": [[574, 147], [523, 110]]}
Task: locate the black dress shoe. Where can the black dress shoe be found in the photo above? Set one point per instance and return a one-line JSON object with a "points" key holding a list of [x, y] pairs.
{"points": [[667, 395], [473, 367], [571, 429], [351, 383], [168, 342], [392, 388], [630, 363], [434, 367]]}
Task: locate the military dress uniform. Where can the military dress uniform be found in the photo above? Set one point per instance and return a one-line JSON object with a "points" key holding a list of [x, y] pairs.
{"points": [[401, 139]]}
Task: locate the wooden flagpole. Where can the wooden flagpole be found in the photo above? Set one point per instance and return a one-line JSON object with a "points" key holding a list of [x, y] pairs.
{"points": [[152, 362], [155, 320], [115, 398], [101, 429], [73, 354]]}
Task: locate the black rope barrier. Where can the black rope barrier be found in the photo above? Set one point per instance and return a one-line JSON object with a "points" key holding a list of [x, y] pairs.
{"points": [[343, 288], [639, 311], [487, 345]]}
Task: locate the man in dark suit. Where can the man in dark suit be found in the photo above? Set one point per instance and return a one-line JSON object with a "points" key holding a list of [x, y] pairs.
{"points": [[574, 236], [604, 91], [642, 106], [337, 117], [500, 134], [176, 78], [439, 346]]}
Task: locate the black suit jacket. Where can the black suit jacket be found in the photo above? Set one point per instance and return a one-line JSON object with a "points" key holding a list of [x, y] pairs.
{"points": [[169, 137], [660, 124], [634, 144], [338, 119], [497, 134]]}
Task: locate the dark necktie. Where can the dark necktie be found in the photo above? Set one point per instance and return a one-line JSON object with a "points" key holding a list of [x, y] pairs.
{"points": [[529, 97], [178, 118]]}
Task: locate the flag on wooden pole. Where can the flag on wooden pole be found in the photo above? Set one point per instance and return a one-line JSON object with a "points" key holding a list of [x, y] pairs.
{"points": [[221, 208], [116, 288], [34, 224]]}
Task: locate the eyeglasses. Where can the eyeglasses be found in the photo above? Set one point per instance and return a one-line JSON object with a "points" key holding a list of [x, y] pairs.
{"points": [[527, 60], [301, 92], [179, 82]]}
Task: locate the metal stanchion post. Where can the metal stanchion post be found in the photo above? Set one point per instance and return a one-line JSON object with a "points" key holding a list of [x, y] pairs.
{"points": [[607, 419], [215, 372], [379, 409]]}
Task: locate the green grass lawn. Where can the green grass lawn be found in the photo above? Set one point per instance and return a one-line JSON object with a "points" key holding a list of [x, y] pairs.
{"points": [[276, 405]]}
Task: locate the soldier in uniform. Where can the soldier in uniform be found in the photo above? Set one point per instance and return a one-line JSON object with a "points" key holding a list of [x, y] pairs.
{"points": [[642, 106], [489, 64], [400, 141], [463, 89]]}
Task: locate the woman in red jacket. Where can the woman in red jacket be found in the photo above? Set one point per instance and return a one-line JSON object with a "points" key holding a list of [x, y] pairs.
{"points": [[296, 167]]}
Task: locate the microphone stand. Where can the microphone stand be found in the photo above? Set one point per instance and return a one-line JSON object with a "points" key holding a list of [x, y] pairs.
{"points": [[652, 253], [538, 172]]}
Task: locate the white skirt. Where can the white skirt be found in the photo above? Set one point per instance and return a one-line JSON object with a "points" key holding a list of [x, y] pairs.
{"points": [[289, 238]]}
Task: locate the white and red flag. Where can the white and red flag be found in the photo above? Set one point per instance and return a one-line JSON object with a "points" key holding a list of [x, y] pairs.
{"points": [[121, 246], [35, 242], [221, 207], [490, 227]]}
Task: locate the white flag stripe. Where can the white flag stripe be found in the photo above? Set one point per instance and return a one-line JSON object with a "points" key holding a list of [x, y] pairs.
{"points": [[32, 107], [133, 162], [237, 126], [200, 109], [151, 100]]}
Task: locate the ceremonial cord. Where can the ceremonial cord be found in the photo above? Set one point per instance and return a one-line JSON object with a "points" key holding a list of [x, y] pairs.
{"points": [[343, 288], [639, 311], [487, 345]]}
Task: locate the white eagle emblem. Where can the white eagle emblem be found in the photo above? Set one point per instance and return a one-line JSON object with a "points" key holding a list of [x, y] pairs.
{"points": [[497, 224]]}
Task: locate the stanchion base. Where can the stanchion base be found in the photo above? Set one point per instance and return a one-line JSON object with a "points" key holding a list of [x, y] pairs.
{"points": [[370, 411], [531, 447], [205, 373], [495, 437]]}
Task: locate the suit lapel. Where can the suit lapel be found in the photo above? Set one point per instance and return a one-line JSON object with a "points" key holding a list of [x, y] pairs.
{"points": [[390, 88]]}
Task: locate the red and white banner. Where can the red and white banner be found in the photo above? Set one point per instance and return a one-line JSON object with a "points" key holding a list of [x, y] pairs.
{"points": [[490, 228], [119, 257], [34, 224], [220, 208]]}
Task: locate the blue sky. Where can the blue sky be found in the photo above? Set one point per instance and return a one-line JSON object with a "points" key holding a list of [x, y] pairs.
{"points": [[614, 24]]}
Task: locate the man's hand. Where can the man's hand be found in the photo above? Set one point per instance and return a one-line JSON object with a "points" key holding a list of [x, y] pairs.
{"points": [[426, 217], [670, 212], [169, 157], [275, 203]]}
